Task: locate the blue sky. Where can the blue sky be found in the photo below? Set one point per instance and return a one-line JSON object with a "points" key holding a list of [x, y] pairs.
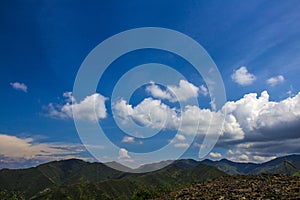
{"points": [[255, 46]]}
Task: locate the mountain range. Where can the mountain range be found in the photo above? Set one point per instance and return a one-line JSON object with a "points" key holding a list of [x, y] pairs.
{"points": [[77, 179], [275, 166]]}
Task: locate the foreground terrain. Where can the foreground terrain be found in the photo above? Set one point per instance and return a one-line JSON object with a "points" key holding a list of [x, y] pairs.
{"points": [[264, 186]]}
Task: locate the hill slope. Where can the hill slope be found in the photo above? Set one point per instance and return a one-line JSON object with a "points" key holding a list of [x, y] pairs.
{"points": [[33, 180], [275, 166], [169, 178], [75, 179]]}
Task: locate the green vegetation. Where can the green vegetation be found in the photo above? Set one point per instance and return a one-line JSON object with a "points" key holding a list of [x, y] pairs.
{"points": [[136, 186], [297, 173], [149, 192], [11, 195], [76, 179], [276, 166]]}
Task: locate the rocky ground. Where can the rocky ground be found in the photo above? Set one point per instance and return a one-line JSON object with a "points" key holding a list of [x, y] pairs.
{"points": [[242, 187]]}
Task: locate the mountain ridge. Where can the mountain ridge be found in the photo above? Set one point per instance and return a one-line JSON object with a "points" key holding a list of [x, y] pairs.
{"points": [[60, 179]]}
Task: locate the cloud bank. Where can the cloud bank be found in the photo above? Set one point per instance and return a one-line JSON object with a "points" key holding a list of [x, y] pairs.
{"points": [[254, 127], [250, 123], [252, 114], [23, 152]]}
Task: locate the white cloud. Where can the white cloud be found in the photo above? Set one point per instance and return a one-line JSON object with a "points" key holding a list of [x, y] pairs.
{"points": [[183, 92], [243, 77], [263, 158], [149, 112], [128, 139], [123, 153], [192, 119], [91, 108], [230, 152], [123, 156], [203, 90], [213, 104], [250, 115], [244, 158], [251, 118], [248, 157], [180, 137], [179, 141], [290, 92], [260, 114], [263, 149], [181, 145], [245, 152], [215, 155], [155, 114], [275, 80], [157, 92], [19, 86], [69, 97]]}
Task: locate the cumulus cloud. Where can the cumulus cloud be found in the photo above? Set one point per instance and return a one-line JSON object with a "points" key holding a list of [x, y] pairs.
{"points": [[128, 139], [248, 123], [91, 108], [244, 158], [15, 150], [259, 116], [149, 112], [203, 90], [179, 141], [215, 155], [230, 152], [195, 120], [262, 150], [69, 97], [251, 114], [157, 92], [263, 158], [19, 86], [269, 127], [290, 92], [180, 137], [123, 155], [244, 152], [275, 80], [242, 77], [192, 119], [183, 92], [181, 145]]}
